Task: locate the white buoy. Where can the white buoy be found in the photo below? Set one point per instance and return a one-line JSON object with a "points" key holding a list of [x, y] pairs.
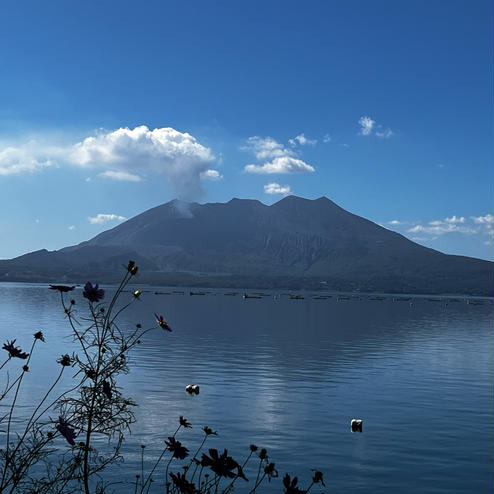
{"points": [[356, 425], [192, 389]]}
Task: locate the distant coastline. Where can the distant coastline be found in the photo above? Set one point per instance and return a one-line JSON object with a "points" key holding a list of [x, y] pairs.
{"points": [[186, 281]]}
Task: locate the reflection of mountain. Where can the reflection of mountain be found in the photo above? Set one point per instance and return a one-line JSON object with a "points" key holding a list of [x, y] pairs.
{"points": [[294, 243]]}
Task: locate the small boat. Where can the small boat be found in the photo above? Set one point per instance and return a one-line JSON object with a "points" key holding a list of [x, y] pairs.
{"points": [[434, 300], [343, 297], [197, 293], [246, 295], [377, 298], [475, 302], [162, 293], [296, 297], [402, 299], [320, 297]]}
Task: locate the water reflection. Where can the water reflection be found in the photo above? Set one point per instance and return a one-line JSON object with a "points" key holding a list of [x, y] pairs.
{"points": [[290, 374]]}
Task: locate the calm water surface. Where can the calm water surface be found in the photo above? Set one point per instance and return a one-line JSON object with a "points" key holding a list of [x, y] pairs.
{"points": [[289, 375]]}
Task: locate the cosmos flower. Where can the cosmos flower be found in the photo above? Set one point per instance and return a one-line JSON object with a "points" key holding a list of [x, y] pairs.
{"points": [[66, 430], [317, 478], [208, 431], [93, 293], [65, 360], [185, 423], [62, 288], [132, 268], [14, 352], [290, 485], [182, 484], [162, 323], [271, 471], [222, 465], [176, 448], [39, 336]]}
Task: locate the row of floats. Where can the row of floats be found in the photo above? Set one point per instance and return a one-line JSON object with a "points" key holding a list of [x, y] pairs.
{"points": [[337, 297]]}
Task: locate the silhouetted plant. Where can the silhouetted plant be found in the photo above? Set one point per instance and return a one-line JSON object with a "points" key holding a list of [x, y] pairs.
{"points": [[93, 406], [32, 461]]}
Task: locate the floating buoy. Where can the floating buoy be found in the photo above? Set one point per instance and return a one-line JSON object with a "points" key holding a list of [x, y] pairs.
{"points": [[356, 425], [192, 389]]}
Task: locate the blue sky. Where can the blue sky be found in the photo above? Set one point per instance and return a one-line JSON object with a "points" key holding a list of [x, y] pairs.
{"points": [[110, 108]]}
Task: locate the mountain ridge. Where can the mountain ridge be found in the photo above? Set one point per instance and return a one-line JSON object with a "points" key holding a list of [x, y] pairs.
{"points": [[293, 243]]}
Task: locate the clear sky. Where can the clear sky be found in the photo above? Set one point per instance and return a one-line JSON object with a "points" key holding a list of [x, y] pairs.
{"points": [[108, 108]]}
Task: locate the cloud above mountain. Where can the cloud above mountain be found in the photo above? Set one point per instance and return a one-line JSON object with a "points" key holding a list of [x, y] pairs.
{"points": [[276, 189], [280, 159], [123, 154], [176, 156]]}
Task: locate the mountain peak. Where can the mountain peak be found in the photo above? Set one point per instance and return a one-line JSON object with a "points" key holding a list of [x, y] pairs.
{"points": [[294, 242], [246, 201], [297, 201]]}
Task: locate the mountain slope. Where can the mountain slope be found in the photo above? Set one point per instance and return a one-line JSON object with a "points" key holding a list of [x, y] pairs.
{"points": [[293, 243]]}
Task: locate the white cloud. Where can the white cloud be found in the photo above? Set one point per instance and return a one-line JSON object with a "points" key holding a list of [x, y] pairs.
{"points": [[485, 223], [440, 228], [274, 188], [122, 154], [101, 218], [283, 164], [326, 138], [266, 148], [211, 175], [14, 160], [283, 160], [175, 155], [384, 134], [455, 219], [422, 239], [476, 225], [366, 124], [71, 227], [302, 141], [482, 220], [36, 220], [120, 176]]}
